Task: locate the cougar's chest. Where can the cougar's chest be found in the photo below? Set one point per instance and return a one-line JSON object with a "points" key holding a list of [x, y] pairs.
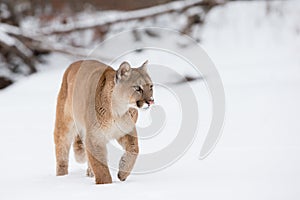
{"points": [[119, 127]]}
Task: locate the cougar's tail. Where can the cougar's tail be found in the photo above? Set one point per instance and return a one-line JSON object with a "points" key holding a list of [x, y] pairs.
{"points": [[79, 150]]}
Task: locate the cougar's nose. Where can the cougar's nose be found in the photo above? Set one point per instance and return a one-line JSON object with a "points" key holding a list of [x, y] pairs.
{"points": [[150, 101]]}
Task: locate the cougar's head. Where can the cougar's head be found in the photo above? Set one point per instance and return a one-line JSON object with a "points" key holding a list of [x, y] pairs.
{"points": [[134, 85]]}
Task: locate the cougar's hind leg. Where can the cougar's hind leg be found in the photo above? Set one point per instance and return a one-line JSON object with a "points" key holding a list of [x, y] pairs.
{"points": [[79, 149], [89, 171], [63, 133], [64, 130]]}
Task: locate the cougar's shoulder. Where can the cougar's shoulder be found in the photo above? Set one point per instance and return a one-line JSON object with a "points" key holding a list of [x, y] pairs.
{"points": [[85, 89], [103, 98]]}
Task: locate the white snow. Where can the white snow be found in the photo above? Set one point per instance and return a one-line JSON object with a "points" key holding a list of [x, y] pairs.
{"points": [[257, 56]]}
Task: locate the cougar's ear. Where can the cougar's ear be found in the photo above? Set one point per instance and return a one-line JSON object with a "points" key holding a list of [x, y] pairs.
{"points": [[144, 65], [123, 72]]}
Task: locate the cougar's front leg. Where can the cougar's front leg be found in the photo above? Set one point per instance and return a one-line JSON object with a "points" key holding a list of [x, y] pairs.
{"points": [[130, 144], [98, 162]]}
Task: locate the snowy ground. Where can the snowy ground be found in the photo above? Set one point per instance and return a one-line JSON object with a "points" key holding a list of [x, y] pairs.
{"points": [[257, 157]]}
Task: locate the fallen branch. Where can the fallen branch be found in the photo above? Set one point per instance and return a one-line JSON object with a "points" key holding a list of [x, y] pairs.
{"points": [[42, 44], [13, 46], [178, 6]]}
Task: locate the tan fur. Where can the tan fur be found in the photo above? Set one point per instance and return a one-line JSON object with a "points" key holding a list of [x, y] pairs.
{"points": [[92, 108]]}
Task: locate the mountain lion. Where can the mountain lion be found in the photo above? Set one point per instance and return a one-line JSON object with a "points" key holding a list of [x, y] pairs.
{"points": [[97, 104]]}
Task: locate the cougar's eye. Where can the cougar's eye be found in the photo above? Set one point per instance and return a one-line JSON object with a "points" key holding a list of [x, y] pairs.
{"points": [[138, 89], [151, 87]]}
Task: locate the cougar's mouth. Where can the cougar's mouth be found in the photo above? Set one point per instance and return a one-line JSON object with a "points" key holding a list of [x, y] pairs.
{"points": [[144, 104]]}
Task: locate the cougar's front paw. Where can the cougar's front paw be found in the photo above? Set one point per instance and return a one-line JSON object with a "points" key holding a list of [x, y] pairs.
{"points": [[61, 170], [103, 180], [122, 175]]}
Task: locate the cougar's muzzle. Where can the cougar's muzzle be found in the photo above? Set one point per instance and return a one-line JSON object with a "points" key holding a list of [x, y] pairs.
{"points": [[148, 102]]}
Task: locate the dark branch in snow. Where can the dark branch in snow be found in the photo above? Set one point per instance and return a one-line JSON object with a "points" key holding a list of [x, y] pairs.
{"points": [[4, 82]]}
